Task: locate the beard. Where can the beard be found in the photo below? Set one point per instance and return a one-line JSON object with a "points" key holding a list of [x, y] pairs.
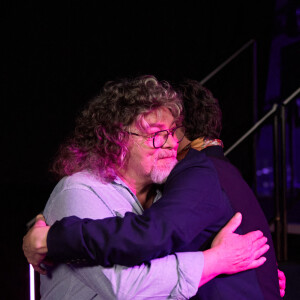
{"points": [[161, 171]]}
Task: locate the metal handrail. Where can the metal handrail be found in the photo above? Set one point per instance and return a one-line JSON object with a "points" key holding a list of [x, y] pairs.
{"points": [[291, 97], [277, 111], [227, 61], [262, 121], [254, 128], [285, 103], [280, 182]]}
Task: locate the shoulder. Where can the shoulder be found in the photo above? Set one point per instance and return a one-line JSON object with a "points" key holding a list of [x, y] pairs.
{"points": [[194, 162], [196, 180], [79, 195], [193, 172], [82, 180]]}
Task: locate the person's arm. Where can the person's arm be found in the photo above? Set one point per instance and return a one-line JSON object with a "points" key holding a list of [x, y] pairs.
{"points": [[180, 274], [170, 277], [185, 210], [224, 257]]}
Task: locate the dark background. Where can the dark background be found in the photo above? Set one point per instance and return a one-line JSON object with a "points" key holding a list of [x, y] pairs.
{"points": [[55, 57]]}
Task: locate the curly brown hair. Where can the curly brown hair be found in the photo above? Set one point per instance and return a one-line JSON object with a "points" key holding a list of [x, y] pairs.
{"points": [[99, 142], [202, 113]]}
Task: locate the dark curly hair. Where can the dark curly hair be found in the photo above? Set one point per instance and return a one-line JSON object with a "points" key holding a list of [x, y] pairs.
{"points": [[99, 142], [202, 113]]}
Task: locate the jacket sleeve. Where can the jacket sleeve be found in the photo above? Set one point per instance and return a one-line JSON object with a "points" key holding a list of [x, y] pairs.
{"points": [[189, 213]]}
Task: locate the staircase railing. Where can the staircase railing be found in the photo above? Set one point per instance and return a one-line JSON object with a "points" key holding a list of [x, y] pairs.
{"points": [[278, 113]]}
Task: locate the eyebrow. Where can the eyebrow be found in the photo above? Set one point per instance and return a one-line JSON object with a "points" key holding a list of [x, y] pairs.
{"points": [[160, 125]]}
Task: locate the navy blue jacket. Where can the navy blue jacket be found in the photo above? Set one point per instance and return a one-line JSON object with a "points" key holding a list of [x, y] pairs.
{"points": [[201, 194]]}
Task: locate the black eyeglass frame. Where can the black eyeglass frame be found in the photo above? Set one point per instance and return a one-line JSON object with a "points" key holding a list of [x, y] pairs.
{"points": [[169, 131]]}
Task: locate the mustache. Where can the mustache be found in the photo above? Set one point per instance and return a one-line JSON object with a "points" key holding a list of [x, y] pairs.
{"points": [[166, 153]]}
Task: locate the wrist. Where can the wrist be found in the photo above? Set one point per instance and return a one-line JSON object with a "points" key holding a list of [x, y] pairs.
{"points": [[212, 265]]}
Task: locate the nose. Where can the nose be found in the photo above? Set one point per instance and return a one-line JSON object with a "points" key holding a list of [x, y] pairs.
{"points": [[172, 142]]}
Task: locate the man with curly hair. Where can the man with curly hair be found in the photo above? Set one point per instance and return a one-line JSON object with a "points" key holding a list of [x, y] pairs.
{"points": [[125, 141]]}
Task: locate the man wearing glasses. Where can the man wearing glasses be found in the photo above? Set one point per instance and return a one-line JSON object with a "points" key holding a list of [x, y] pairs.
{"points": [[126, 140]]}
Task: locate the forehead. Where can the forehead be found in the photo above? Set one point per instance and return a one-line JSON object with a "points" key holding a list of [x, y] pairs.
{"points": [[159, 118]]}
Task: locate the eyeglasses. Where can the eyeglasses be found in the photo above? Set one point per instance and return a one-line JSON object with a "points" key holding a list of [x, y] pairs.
{"points": [[161, 137]]}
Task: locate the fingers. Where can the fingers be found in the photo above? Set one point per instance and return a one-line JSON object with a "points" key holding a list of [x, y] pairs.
{"points": [[35, 246], [40, 217], [261, 251], [232, 224], [259, 247], [282, 282], [256, 259], [256, 263], [281, 276], [39, 269], [35, 260], [253, 236], [40, 221], [257, 244]]}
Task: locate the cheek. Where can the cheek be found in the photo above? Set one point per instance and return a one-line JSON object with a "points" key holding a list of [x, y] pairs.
{"points": [[149, 160], [143, 156]]}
